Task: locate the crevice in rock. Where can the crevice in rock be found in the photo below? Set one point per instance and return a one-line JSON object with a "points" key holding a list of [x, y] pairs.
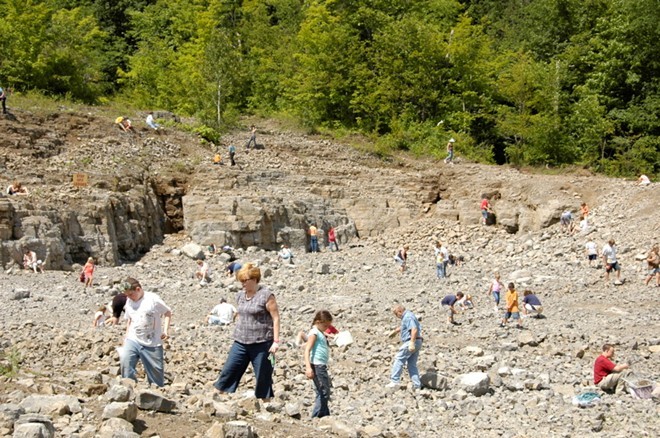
{"points": [[170, 193]]}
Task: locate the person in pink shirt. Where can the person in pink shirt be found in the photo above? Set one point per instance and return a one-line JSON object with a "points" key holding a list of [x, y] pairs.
{"points": [[332, 239]]}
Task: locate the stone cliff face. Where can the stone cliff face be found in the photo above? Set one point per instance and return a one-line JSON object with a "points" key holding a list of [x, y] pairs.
{"points": [[143, 186]]}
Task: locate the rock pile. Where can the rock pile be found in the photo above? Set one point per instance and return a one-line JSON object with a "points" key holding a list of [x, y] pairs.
{"points": [[479, 379]]}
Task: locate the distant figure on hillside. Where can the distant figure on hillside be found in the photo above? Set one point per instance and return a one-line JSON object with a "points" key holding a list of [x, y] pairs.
{"points": [[332, 239], [217, 159], [531, 304], [465, 303], [253, 137], [610, 261], [494, 289], [584, 225], [592, 251], [643, 180], [450, 152], [88, 272], [30, 261], [485, 210], [512, 310], [16, 188], [233, 268], [203, 273], [232, 154], [448, 303], [566, 221], [124, 124], [584, 210], [151, 123], [401, 257], [441, 260], [100, 316], [3, 100], [285, 254], [222, 314], [653, 261], [313, 238]]}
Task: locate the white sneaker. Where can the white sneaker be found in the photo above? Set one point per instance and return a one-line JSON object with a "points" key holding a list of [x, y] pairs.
{"points": [[393, 385]]}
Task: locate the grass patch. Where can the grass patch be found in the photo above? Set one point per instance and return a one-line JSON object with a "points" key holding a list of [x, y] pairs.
{"points": [[10, 363]]}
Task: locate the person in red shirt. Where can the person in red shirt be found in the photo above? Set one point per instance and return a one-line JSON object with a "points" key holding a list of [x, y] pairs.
{"points": [[606, 373], [332, 239], [485, 209]]}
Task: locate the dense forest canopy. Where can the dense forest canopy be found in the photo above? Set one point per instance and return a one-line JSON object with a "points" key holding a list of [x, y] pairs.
{"points": [[521, 81]]}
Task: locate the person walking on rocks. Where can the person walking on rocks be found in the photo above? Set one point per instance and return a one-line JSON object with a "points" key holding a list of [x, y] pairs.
{"points": [[256, 336], [494, 289], [313, 238], [410, 333], [592, 251], [653, 261], [531, 304], [610, 261], [448, 303], [232, 154], [332, 239], [450, 151], [401, 257], [485, 210], [88, 272], [30, 261], [222, 314], [148, 326], [512, 310], [441, 260], [317, 353], [253, 138], [606, 373]]}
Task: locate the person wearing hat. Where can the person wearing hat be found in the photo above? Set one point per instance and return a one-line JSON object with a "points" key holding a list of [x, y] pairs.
{"points": [[148, 326], [285, 254], [450, 151]]}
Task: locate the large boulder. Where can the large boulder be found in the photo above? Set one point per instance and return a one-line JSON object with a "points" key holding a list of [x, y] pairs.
{"points": [[474, 383]]}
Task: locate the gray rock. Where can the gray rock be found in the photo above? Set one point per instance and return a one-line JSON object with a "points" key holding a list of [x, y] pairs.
{"points": [[124, 410], [238, 429], [474, 383], [153, 401], [433, 380], [51, 404], [34, 426], [193, 250], [119, 393]]}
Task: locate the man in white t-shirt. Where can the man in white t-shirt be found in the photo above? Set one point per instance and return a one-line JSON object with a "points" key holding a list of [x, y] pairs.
{"points": [[222, 314], [592, 251], [148, 325], [610, 261]]}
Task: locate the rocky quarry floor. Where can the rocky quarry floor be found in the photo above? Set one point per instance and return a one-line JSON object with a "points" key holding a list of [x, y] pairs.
{"points": [[64, 377]]}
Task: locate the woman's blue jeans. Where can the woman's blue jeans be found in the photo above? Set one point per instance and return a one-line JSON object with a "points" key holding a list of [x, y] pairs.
{"points": [[240, 355]]}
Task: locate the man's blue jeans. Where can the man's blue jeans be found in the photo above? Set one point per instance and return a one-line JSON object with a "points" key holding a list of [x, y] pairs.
{"points": [[440, 270], [405, 357], [322, 385], [240, 355], [314, 244], [151, 358]]}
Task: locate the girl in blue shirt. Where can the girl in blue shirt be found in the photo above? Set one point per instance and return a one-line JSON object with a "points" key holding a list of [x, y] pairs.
{"points": [[317, 353]]}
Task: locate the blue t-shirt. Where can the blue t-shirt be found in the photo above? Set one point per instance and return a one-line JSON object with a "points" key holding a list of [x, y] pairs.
{"points": [[532, 299], [449, 300], [320, 352], [408, 322]]}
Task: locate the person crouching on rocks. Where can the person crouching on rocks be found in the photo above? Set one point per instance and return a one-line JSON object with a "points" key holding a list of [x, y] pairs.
{"points": [[203, 273], [606, 373], [448, 303], [30, 261], [531, 304]]}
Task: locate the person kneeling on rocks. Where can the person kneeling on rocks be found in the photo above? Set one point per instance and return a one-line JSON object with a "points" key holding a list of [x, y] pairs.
{"points": [[531, 304], [203, 273], [222, 314], [448, 303], [607, 374]]}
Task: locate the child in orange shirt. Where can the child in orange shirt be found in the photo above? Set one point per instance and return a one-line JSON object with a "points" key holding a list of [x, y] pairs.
{"points": [[512, 310]]}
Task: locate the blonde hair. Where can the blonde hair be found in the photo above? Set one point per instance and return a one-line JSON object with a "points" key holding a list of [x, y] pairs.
{"points": [[90, 260], [249, 272]]}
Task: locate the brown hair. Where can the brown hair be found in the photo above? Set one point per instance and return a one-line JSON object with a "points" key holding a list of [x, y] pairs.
{"points": [[606, 347], [322, 316], [249, 272], [527, 292], [131, 284]]}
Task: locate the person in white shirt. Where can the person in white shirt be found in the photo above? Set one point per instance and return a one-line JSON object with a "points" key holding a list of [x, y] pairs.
{"points": [[203, 273], [610, 261], [643, 180], [592, 251], [222, 314], [151, 123], [148, 326]]}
